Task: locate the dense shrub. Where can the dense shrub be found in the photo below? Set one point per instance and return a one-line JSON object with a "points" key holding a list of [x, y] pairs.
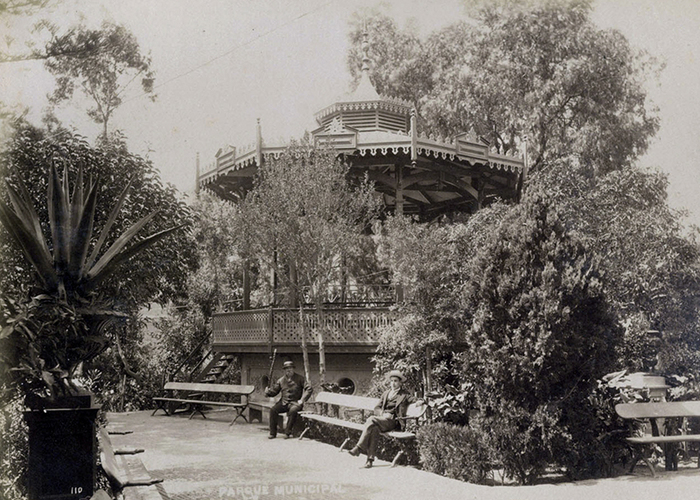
{"points": [[540, 334], [600, 434], [454, 451]]}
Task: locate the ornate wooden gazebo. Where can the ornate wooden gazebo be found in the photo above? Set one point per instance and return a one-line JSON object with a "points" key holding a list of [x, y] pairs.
{"points": [[415, 173]]}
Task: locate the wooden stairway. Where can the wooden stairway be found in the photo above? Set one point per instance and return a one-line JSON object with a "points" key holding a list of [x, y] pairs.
{"points": [[214, 370]]}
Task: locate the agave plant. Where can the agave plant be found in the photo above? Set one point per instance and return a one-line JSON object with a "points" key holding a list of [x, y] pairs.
{"points": [[49, 336]]}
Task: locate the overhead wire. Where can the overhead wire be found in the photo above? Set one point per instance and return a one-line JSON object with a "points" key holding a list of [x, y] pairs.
{"points": [[234, 49], [220, 56]]}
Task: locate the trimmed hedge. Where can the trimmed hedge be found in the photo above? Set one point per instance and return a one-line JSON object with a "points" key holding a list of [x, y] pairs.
{"points": [[453, 451]]}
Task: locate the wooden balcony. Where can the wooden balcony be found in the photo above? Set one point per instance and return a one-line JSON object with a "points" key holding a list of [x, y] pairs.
{"points": [[344, 329]]}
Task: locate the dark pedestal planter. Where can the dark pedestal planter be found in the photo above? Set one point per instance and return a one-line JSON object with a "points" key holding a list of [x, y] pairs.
{"points": [[62, 453]]}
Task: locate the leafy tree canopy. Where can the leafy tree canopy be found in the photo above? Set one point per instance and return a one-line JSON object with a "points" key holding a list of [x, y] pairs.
{"points": [[511, 70], [303, 212], [101, 64]]}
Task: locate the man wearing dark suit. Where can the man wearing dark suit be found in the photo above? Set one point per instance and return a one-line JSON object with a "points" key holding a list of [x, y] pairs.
{"points": [[391, 408], [295, 392]]}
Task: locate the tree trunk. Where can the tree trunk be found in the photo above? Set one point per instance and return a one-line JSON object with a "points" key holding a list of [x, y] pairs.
{"points": [[122, 390], [304, 347], [321, 348]]}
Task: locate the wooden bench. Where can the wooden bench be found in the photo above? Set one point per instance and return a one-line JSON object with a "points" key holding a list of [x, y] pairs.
{"points": [[651, 412], [126, 473], [193, 396], [330, 402]]}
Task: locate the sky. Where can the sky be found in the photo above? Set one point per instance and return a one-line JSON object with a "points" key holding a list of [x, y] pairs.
{"points": [[222, 64]]}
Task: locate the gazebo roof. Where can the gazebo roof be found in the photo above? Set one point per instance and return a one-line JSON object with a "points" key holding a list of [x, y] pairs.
{"points": [[377, 135]]}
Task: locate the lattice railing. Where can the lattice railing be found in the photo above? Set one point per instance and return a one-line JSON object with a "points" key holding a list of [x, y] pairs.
{"points": [[341, 326], [241, 327]]}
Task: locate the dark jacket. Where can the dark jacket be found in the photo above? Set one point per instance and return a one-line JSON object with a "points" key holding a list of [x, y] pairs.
{"points": [[292, 390], [396, 406]]}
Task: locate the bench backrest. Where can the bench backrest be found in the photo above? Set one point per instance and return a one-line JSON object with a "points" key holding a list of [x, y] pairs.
{"points": [[109, 460], [358, 402], [364, 403], [202, 387], [659, 410], [415, 411]]}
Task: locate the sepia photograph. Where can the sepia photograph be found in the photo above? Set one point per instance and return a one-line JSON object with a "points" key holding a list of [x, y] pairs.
{"points": [[349, 249]]}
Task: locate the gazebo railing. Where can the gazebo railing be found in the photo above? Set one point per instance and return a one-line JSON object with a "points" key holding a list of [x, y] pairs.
{"points": [[345, 325]]}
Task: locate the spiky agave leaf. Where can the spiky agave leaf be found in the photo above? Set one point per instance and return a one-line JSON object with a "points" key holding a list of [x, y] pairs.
{"points": [[107, 227], [71, 219], [83, 211], [24, 206], [59, 218], [117, 253], [22, 229]]}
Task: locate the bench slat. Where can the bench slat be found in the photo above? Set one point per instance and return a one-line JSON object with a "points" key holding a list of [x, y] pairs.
{"points": [[122, 470], [202, 402], [200, 387], [333, 421], [359, 402], [659, 410], [401, 434], [679, 438]]}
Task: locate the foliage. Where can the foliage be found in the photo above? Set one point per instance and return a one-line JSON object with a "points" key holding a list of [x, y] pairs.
{"points": [[529, 304], [539, 334], [68, 271], [77, 283], [624, 217], [454, 405], [61, 328], [8, 10], [156, 273], [454, 451], [511, 70], [44, 343], [126, 374], [432, 261], [602, 449], [304, 213], [19, 7], [214, 286], [101, 63], [221, 249], [305, 220]]}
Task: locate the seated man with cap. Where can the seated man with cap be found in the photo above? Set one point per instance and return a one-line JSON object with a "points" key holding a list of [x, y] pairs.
{"points": [[295, 392], [391, 408]]}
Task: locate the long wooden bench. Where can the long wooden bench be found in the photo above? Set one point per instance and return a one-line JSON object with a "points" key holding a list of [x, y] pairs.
{"points": [[193, 396], [330, 402], [127, 475], [652, 412]]}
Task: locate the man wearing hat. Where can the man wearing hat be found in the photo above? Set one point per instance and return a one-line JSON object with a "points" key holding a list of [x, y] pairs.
{"points": [[391, 408], [295, 391]]}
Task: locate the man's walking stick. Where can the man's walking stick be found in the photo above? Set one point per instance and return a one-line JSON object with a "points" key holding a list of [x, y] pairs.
{"points": [[272, 367]]}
